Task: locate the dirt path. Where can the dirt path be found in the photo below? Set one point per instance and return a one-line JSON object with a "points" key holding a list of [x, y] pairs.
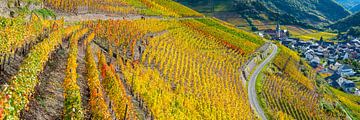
{"points": [[10, 69], [97, 16], [86, 17], [48, 100]]}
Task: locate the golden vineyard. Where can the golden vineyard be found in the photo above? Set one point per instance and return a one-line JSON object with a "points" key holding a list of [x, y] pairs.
{"points": [[167, 62]]}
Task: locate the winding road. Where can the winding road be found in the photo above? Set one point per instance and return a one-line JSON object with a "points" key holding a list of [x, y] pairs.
{"points": [[252, 83]]}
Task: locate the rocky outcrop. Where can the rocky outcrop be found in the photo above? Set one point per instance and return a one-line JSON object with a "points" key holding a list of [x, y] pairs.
{"points": [[8, 9], [4, 11]]}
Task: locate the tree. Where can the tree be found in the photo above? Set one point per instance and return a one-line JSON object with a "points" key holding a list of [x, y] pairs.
{"points": [[354, 31], [321, 39]]}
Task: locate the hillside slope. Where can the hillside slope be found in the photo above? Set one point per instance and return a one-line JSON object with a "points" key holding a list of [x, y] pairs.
{"points": [[345, 24], [287, 11], [156, 66], [348, 4], [355, 8], [143, 59]]}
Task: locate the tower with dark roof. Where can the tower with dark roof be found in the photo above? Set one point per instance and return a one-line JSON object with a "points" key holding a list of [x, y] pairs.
{"points": [[278, 30]]}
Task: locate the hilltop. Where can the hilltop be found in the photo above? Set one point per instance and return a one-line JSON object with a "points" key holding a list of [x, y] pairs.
{"points": [[348, 4], [286, 11], [355, 8], [347, 23]]}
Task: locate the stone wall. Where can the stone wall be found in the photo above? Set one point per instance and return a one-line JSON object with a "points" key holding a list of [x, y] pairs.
{"points": [[259, 55], [6, 8], [4, 11]]}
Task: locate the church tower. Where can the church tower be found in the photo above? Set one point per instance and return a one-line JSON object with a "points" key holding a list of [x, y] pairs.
{"points": [[278, 30]]}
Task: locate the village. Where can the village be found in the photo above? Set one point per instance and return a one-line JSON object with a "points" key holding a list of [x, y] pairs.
{"points": [[340, 60]]}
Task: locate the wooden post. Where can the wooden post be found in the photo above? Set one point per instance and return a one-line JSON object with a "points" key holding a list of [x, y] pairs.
{"points": [[126, 109], [4, 61], [16, 50], [8, 59], [1, 62], [23, 49]]}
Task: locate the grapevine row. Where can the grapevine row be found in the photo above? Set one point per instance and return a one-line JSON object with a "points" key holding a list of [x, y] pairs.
{"points": [[16, 34], [283, 95], [120, 101], [288, 62], [72, 104], [98, 107], [189, 71], [15, 97]]}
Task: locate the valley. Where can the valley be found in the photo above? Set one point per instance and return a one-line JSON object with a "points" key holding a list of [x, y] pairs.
{"points": [[181, 59]]}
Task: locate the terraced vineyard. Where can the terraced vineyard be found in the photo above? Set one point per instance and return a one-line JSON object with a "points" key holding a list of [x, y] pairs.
{"points": [[144, 59], [287, 93], [145, 7], [126, 69]]}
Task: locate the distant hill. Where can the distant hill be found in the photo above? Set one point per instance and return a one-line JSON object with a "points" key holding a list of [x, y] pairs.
{"points": [[286, 11], [355, 9], [348, 4], [345, 24]]}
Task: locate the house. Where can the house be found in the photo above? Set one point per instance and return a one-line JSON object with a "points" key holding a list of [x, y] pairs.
{"points": [[289, 42], [335, 66], [309, 56], [337, 81], [357, 92], [354, 41], [331, 61], [302, 46], [332, 80], [325, 44], [348, 86], [346, 70], [314, 46], [320, 54], [346, 56], [315, 62]]}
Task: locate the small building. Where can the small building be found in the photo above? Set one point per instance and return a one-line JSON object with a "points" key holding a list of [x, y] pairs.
{"points": [[309, 56], [346, 70], [314, 46], [335, 66], [348, 86], [357, 92], [332, 80], [315, 62]]}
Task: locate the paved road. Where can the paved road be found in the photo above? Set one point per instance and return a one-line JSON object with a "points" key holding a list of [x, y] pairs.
{"points": [[98, 16], [251, 86]]}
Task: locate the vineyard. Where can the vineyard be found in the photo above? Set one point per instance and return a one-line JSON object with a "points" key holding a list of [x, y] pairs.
{"points": [[124, 69], [145, 7], [167, 62], [286, 93]]}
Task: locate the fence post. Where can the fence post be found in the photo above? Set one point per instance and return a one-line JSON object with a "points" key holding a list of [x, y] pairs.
{"points": [[2, 62], [126, 109]]}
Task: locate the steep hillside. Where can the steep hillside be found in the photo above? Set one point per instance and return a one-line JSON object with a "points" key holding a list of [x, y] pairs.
{"points": [[348, 4], [288, 93], [145, 60], [309, 10], [345, 24], [141, 60], [355, 9], [287, 11]]}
